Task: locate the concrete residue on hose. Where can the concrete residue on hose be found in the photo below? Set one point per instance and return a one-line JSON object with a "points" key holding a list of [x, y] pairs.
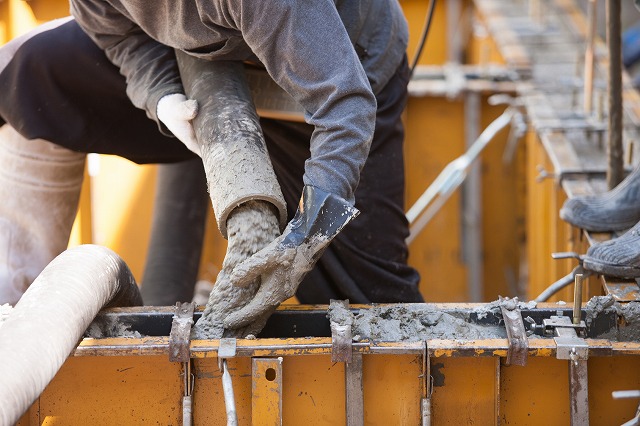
{"points": [[5, 310], [251, 227], [411, 322], [237, 165]]}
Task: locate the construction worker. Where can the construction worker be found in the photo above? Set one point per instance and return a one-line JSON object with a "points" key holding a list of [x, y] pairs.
{"points": [[345, 64]]}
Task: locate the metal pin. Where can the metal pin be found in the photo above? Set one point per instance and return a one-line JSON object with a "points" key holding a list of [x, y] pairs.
{"points": [[577, 299]]}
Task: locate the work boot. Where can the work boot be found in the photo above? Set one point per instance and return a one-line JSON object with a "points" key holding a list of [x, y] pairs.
{"points": [[614, 210], [618, 257], [39, 190]]}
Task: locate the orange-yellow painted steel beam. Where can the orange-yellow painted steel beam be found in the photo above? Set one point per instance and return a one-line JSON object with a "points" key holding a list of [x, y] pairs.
{"points": [[266, 391]]}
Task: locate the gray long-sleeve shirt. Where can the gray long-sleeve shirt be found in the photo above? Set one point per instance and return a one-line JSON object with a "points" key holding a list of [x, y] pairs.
{"points": [[331, 56]]}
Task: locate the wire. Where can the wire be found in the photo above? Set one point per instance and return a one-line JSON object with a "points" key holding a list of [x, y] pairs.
{"points": [[423, 37]]}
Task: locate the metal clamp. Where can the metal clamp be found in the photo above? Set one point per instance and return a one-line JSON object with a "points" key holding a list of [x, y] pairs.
{"points": [[568, 344], [341, 338], [516, 334], [180, 335], [179, 339]]}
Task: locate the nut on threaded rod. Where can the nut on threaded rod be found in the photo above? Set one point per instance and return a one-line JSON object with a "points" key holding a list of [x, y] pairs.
{"points": [[577, 298]]}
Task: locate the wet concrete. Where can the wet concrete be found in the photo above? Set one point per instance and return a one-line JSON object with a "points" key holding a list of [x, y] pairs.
{"points": [[103, 326], [413, 322], [628, 328]]}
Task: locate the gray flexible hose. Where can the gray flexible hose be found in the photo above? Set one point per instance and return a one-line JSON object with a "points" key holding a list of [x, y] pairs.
{"points": [[51, 317], [234, 152]]}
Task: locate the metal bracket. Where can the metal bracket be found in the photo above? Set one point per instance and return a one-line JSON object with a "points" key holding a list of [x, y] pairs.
{"points": [[427, 379], [341, 338], [568, 343], [180, 334], [575, 349], [226, 349], [179, 339], [516, 334]]}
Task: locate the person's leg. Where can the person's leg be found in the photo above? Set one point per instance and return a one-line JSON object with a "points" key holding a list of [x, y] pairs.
{"points": [[367, 261], [60, 87], [39, 187], [60, 94]]}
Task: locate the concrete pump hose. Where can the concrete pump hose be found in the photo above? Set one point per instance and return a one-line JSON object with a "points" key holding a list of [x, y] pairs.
{"points": [[227, 127], [46, 324], [177, 233]]}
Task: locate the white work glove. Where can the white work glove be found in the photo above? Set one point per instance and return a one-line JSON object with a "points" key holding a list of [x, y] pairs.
{"points": [[176, 112]]}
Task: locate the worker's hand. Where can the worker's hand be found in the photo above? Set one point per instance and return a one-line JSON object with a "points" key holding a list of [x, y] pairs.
{"points": [[250, 227], [282, 265], [176, 112]]}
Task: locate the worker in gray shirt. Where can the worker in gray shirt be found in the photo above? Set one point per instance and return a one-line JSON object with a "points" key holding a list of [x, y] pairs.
{"points": [[345, 64]]}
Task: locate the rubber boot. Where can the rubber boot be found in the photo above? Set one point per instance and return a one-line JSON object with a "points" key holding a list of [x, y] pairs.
{"points": [[614, 210], [618, 257], [39, 187]]}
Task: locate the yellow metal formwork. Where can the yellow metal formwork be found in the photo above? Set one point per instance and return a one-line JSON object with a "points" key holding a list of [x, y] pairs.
{"points": [[436, 137], [131, 381]]}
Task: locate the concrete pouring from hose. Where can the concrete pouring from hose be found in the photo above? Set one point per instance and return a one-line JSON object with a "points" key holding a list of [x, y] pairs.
{"points": [[246, 197], [283, 264]]}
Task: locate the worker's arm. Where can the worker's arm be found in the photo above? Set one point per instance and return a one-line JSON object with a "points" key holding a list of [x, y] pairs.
{"points": [[150, 68], [307, 51]]}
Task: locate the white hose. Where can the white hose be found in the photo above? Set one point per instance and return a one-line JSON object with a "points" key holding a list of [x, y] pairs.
{"points": [[46, 324]]}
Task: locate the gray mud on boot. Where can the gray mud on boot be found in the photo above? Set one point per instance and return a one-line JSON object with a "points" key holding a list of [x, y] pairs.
{"points": [[614, 210], [618, 257]]}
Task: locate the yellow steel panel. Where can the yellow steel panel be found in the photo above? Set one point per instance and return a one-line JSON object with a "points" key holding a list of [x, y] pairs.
{"points": [[434, 137], [46, 10], [540, 233], [464, 391], [208, 398], [20, 18], [502, 211], [4, 22], [148, 389], [122, 208], [537, 394], [82, 233], [22, 15], [605, 376], [266, 391], [392, 389], [125, 390], [435, 49], [314, 391], [546, 232]]}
